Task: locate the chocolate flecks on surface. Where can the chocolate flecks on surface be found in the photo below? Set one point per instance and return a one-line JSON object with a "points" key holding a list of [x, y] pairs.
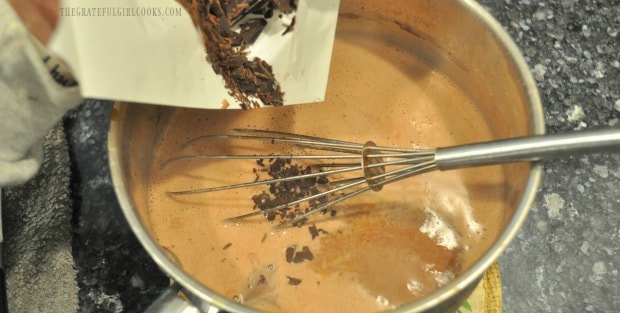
{"points": [[299, 257], [283, 193], [250, 81], [293, 281], [290, 253], [308, 255], [294, 256], [315, 232], [228, 245], [261, 280]]}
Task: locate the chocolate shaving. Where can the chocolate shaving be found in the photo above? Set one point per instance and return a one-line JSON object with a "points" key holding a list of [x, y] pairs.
{"points": [[299, 257], [290, 253], [290, 27], [286, 6], [251, 29], [314, 232], [250, 82], [293, 256], [261, 280], [285, 192], [228, 245], [293, 281], [238, 9], [225, 104], [307, 254], [268, 13]]}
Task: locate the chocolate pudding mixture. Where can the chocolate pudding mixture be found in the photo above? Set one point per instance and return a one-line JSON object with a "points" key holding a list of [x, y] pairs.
{"points": [[381, 249]]}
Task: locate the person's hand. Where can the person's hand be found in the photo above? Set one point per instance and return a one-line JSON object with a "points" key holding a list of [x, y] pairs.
{"points": [[40, 16]]}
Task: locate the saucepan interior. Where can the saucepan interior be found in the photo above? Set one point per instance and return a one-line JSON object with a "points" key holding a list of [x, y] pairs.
{"points": [[456, 38]]}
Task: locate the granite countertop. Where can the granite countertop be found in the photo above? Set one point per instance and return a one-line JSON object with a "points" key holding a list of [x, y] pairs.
{"points": [[564, 259]]}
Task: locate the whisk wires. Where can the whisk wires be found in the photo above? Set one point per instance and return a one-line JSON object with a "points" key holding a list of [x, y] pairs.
{"points": [[348, 169]]}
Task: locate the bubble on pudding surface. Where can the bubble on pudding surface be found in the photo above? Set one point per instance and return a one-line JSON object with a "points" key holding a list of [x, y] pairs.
{"points": [[382, 301], [442, 278], [414, 286], [438, 229]]}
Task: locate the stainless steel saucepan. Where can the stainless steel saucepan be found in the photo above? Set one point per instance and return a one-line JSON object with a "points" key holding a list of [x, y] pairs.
{"points": [[455, 37]]}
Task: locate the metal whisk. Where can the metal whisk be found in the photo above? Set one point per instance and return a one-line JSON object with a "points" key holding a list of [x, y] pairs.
{"points": [[375, 166]]}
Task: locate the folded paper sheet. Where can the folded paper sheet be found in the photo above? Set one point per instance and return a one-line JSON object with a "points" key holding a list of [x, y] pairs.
{"points": [[149, 51]]}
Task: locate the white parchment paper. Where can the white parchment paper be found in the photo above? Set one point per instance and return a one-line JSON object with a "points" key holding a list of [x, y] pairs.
{"points": [[149, 51]]}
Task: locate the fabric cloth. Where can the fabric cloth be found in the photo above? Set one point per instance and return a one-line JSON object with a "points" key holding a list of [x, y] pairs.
{"points": [[34, 95], [36, 90], [38, 261]]}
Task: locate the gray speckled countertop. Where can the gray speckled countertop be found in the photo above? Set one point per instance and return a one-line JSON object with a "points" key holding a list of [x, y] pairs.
{"points": [[565, 258]]}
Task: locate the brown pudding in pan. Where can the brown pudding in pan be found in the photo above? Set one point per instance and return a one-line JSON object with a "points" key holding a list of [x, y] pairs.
{"points": [[376, 251]]}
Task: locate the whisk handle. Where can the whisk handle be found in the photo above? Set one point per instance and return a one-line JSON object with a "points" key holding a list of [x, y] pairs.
{"points": [[533, 148]]}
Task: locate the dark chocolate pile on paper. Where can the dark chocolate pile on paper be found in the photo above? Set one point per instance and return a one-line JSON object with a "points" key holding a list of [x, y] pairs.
{"points": [[250, 82]]}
